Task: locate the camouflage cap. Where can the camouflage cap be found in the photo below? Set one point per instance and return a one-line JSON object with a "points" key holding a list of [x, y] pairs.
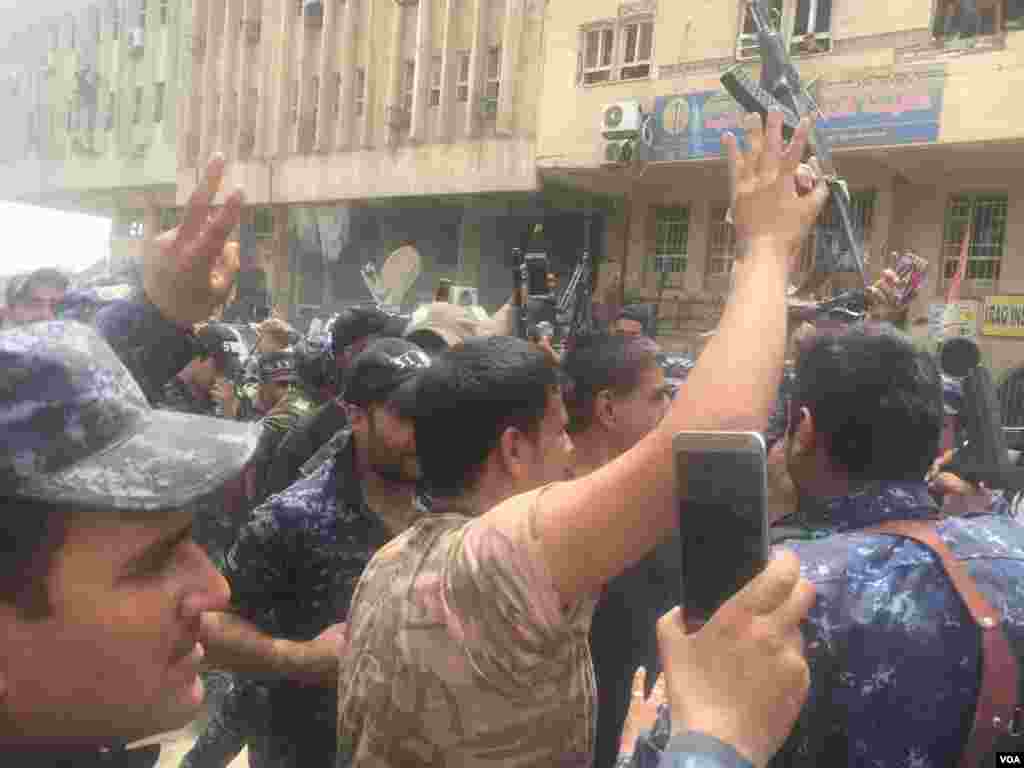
{"points": [[76, 429]]}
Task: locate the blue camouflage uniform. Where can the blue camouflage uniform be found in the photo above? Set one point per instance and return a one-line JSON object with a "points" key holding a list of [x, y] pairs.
{"points": [[292, 573], [894, 655]]}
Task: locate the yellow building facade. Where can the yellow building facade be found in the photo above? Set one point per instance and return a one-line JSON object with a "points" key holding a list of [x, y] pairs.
{"points": [[925, 122]]}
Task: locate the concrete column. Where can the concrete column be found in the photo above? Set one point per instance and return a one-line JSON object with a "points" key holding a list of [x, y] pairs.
{"points": [[228, 81], [188, 137], [424, 51], [366, 129], [448, 74], [477, 54], [328, 95], [281, 76], [248, 68], [302, 138], [207, 135], [510, 45], [347, 69], [395, 69]]}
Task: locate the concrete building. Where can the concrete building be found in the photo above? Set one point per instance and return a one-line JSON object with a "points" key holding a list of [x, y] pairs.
{"points": [[926, 127], [358, 127], [89, 99]]}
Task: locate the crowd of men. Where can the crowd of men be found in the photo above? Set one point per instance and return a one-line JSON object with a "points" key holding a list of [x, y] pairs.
{"points": [[459, 549]]}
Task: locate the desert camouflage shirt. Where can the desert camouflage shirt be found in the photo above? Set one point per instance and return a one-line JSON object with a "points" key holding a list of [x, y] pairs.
{"points": [[292, 573], [894, 655], [461, 653]]}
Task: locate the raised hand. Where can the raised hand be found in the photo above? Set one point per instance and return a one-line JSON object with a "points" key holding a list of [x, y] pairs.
{"points": [[742, 677], [773, 196], [190, 270]]}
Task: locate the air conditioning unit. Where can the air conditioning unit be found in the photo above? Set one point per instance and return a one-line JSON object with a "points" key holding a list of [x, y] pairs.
{"points": [[136, 40], [620, 152], [313, 12], [252, 31], [621, 120], [396, 117]]}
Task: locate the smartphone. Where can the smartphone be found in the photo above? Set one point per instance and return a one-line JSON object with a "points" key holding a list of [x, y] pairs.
{"points": [[536, 274], [722, 482]]}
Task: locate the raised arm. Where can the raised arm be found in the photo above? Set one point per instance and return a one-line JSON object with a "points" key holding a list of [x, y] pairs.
{"points": [[589, 530]]}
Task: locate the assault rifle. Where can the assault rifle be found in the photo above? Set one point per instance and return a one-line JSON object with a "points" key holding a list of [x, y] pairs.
{"points": [[781, 88], [983, 456]]}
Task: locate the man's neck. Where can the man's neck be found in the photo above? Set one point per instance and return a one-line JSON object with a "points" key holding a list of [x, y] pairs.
{"points": [[591, 452], [481, 499]]}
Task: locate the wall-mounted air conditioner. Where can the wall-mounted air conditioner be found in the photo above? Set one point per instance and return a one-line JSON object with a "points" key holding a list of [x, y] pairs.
{"points": [[621, 120], [136, 40]]}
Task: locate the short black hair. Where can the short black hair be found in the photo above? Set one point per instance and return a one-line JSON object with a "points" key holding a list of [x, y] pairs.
{"points": [[31, 533], [875, 398], [468, 398], [640, 313], [19, 288], [600, 362], [355, 323]]}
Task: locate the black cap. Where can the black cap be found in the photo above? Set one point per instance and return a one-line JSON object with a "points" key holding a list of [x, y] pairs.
{"points": [[76, 429], [357, 323], [386, 372], [279, 367]]}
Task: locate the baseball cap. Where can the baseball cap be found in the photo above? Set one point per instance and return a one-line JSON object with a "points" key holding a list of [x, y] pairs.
{"points": [[76, 429], [279, 367], [386, 372], [450, 322], [357, 323]]}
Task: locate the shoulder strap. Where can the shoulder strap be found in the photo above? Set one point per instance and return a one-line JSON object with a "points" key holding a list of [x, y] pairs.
{"points": [[997, 697]]}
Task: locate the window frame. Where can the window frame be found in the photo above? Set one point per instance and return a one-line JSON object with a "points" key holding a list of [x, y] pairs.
{"points": [[407, 87], [600, 72], [721, 245], [434, 95], [359, 92], [661, 254], [462, 72], [492, 80], [159, 96], [950, 247], [746, 43], [640, 23]]}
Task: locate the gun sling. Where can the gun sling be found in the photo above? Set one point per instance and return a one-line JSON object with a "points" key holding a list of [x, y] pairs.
{"points": [[997, 696]]}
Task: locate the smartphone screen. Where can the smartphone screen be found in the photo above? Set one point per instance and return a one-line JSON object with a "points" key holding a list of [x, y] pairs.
{"points": [[722, 482]]}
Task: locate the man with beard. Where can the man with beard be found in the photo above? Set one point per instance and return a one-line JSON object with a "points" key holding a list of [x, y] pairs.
{"points": [[296, 563]]}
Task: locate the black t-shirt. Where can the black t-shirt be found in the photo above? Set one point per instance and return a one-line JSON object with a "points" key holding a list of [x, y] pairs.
{"points": [[301, 442]]}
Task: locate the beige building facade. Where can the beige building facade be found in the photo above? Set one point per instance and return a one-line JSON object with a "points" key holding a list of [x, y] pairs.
{"points": [[926, 127], [357, 127]]}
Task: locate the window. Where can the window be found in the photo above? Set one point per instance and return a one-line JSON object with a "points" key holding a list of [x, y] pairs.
{"points": [[360, 91], [165, 11], [990, 18], [862, 210], [158, 102], [111, 111], [115, 21], [672, 229], [142, 14], [598, 48], [294, 108], [807, 23], [137, 116], [168, 218], [721, 244], [493, 73], [986, 215], [462, 86], [408, 83], [130, 224], [314, 96], [263, 223], [435, 81], [638, 40]]}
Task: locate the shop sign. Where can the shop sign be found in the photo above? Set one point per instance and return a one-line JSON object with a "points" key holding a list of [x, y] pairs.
{"points": [[1003, 316]]}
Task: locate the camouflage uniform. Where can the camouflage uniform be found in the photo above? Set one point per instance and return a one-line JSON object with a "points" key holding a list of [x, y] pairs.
{"points": [[292, 573], [894, 655], [460, 653]]}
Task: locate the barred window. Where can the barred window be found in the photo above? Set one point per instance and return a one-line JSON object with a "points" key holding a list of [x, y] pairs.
{"points": [[672, 230], [721, 244], [986, 214], [862, 209]]}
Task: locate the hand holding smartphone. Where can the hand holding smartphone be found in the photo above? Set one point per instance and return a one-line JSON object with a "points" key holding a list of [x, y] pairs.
{"points": [[723, 527]]}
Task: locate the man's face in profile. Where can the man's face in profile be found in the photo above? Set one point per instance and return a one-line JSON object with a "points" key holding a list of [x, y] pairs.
{"points": [[116, 659], [39, 305], [626, 327]]}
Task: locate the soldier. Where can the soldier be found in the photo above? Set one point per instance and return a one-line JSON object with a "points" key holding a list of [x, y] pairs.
{"points": [[297, 561], [192, 390]]}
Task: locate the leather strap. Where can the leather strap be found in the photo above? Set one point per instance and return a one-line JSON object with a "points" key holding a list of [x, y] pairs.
{"points": [[997, 695]]}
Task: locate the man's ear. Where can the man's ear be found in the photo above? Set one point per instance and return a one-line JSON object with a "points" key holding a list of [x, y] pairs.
{"points": [[515, 451], [604, 409], [804, 436]]}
